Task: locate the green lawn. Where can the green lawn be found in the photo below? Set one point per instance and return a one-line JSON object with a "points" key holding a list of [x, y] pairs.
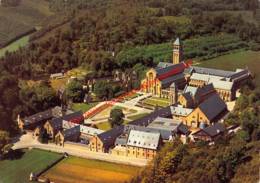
{"points": [[18, 170], [15, 45], [83, 107], [138, 116], [242, 59], [154, 101], [104, 126]]}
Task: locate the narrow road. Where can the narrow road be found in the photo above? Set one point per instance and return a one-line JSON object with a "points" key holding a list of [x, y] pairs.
{"points": [[27, 141]]}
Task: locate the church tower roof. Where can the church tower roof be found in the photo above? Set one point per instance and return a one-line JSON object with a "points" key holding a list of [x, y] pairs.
{"points": [[177, 41]]}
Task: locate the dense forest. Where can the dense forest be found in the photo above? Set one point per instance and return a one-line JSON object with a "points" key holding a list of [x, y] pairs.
{"points": [[99, 28]]}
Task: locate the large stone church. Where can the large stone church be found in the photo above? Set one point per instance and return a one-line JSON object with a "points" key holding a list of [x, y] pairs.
{"points": [[166, 79]]}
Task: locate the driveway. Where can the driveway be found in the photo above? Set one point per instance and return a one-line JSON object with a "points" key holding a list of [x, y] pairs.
{"points": [[27, 141]]}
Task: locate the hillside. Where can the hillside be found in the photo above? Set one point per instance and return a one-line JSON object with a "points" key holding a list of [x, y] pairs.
{"points": [[24, 18], [104, 36]]}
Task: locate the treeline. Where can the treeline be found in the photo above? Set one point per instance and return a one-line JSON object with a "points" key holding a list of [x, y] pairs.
{"points": [[234, 158], [195, 6], [95, 37], [92, 38]]}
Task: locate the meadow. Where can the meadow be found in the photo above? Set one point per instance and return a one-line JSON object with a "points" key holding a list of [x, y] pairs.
{"points": [[22, 19], [243, 59], [18, 170], [89, 171], [15, 45]]}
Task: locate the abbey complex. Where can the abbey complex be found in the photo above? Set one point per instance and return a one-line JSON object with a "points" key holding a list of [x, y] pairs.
{"points": [[167, 78]]}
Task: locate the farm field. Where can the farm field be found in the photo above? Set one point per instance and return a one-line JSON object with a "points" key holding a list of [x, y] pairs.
{"points": [[89, 171], [242, 59], [203, 47], [18, 170], [22, 19], [15, 45]]}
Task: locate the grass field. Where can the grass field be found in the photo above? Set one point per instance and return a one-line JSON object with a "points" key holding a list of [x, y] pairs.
{"points": [[243, 59], [154, 101], [15, 45], [28, 12], [18, 170], [104, 126], [15, 21], [80, 170], [83, 107]]}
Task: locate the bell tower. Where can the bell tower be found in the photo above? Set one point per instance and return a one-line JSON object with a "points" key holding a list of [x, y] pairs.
{"points": [[177, 52], [173, 94]]}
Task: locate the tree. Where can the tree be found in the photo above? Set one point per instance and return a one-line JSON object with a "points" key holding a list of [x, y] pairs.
{"points": [[103, 90], [74, 91], [4, 140], [38, 97], [116, 117], [242, 102]]}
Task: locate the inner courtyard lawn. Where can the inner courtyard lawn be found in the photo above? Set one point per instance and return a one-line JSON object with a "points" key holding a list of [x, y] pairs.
{"points": [[155, 101], [104, 126], [90, 171], [18, 170], [250, 59]]}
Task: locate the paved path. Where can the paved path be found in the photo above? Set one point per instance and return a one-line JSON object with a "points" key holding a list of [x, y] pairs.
{"points": [[134, 101], [27, 141]]}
